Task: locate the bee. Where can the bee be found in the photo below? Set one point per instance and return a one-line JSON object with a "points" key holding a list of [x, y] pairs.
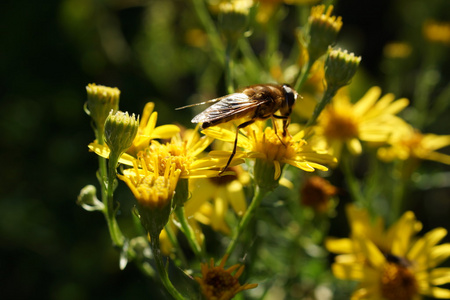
{"points": [[255, 102]]}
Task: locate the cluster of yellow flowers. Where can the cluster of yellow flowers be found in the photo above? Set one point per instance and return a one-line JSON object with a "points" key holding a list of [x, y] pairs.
{"points": [[180, 183]]}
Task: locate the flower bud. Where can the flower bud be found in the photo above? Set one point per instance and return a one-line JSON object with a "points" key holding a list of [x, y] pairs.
{"points": [[266, 174], [323, 31], [100, 101], [88, 199], [233, 18], [340, 67], [120, 131]]}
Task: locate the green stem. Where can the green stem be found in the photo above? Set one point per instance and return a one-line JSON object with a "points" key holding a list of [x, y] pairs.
{"points": [[257, 198], [188, 232], [162, 269], [173, 239], [210, 28], [327, 96], [228, 68], [398, 192], [352, 183], [303, 75], [109, 211], [107, 190]]}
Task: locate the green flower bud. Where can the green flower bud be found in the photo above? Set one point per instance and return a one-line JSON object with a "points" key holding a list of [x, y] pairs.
{"points": [[100, 101], [265, 174], [340, 67], [88, 199], [120, 131], [233, 18], [322, 31]]}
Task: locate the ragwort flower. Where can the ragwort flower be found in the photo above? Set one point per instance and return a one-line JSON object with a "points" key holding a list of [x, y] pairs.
{"points": [[264, 143], [217, 283], [391, 264], [211, 198], [408, 143], [368, 120]]}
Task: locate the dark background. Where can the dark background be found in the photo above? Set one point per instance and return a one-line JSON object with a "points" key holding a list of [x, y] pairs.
{"points": [[50, 248]]}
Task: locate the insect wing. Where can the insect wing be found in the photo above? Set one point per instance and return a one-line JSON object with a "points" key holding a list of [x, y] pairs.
{"points": [[229, 105]]}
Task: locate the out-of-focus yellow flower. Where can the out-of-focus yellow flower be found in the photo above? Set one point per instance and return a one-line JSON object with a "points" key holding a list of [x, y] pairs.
{"points": [[369, 120], [437, 32], [391, 264], [212, 197], [397, 50], [408, 143], [267, 8], [148, 131], [217, 283], [261, 142], [316, 193]]}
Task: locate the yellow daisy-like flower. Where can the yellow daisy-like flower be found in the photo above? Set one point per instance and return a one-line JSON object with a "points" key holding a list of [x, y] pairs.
{"points": [[437, 32], [148, 131], [264, 143], [183, 151], [217, 283], [391, 264], [408, 143], [151, 189], [212, 197], [368, 120]]}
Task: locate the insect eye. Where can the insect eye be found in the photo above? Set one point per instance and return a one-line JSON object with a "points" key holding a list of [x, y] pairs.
{"points": [[290, 95]]}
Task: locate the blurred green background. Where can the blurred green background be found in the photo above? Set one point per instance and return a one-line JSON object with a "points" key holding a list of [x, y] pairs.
{"points": [[50, 247]]}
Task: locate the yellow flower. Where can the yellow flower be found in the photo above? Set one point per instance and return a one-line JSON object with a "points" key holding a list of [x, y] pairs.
{"points": [[263, 143], [217, 283], [183, 152], [391, 264], [222, 191], [148, 131], [399, 50], [408, 143], [151, 189], [267, 8], [369, 120], [437, 32]]}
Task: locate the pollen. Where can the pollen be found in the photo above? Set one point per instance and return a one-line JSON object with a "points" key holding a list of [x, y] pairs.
{"points": [[157, 157], [274, 146], [339, 126], [397, 282]]}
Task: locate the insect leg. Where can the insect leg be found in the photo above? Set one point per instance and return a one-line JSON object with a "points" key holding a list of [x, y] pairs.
{"points": [[286, 122], [245, 124]]}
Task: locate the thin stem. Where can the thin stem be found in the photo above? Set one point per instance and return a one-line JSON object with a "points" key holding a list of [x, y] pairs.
{"points": [[229, 68], [106, 180], [173, 239], [303, 75], [352, 182], [188, 232], [162, 269], [257, 198], [210, 28], [109, 212]]}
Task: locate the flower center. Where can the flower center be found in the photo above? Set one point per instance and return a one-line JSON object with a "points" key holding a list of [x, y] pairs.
{"points": [[273, 145], [397, 282], [220, 282], [339, 126]]}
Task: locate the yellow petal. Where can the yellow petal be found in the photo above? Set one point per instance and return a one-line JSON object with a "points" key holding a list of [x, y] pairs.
{"points": [[334, 245], [348, 271], [165, 131], [371, 252], [440, 276], [236, 197]]}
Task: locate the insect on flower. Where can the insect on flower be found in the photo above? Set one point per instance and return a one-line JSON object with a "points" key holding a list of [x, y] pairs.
{"points": [[255, 102]]}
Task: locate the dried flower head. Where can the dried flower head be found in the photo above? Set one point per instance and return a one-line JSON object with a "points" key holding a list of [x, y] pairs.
{"points": [[217, 283]]}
